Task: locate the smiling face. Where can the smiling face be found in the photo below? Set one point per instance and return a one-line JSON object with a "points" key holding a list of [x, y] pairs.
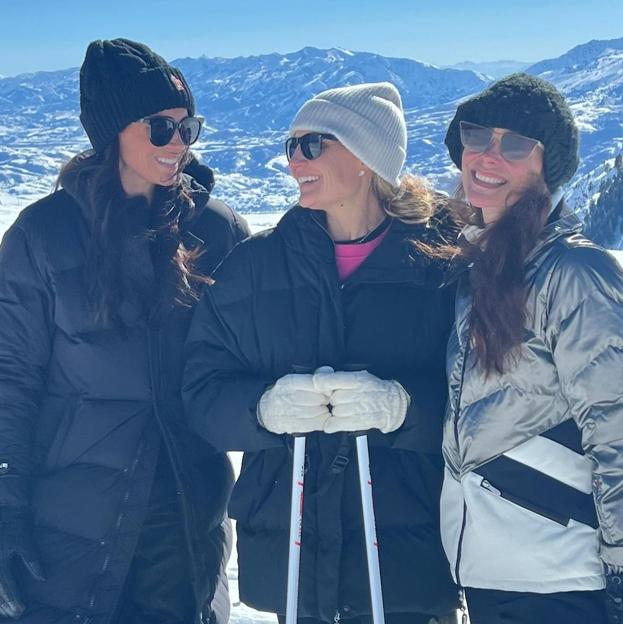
{"points": [[142, 165], [331, 180], [490, 182]]}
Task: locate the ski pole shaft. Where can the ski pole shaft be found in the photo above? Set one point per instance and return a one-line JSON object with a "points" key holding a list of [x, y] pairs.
{"points": [[372, 551], [296, 525]]}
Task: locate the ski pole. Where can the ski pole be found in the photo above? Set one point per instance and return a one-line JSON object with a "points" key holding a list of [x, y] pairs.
{"points": [[296, 525], [372, 550], [296, 515]]}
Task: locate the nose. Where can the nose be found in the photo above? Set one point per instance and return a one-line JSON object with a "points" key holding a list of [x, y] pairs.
{"points": [[297, 162], [176, 140], [297, 156], [493, 150]]}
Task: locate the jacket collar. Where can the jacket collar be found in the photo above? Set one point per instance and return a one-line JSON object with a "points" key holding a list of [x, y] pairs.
{"points": [[564, 223], [396, 259]]}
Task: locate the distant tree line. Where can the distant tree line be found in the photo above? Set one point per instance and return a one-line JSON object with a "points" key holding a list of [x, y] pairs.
{"points": [[604, 221]]}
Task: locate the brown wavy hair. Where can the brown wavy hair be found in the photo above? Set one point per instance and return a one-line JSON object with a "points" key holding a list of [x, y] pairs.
{"points": [[497, 278], [94, 180]]}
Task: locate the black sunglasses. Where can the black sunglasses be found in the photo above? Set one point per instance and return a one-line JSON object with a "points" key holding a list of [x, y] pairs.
{"points": [[513, 146], [311, 144], [162, 129]]}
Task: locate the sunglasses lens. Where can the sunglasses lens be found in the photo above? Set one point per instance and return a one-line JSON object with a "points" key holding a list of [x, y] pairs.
{"points": [[475, 138], [161, 130], [190, 129], [291, 144], [516, 147], [512, 146], [311, 146]]}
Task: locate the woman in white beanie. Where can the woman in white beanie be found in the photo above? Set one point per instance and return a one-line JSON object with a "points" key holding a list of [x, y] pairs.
{"points": [[349, 279]]}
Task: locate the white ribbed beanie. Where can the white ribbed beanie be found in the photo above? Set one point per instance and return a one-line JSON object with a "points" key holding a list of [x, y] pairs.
{"points": [[367, 119]]}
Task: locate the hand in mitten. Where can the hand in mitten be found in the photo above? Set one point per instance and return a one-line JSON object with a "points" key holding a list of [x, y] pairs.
{"points": [[293, 405], [614, 594], [16, 545], [361, 401]]}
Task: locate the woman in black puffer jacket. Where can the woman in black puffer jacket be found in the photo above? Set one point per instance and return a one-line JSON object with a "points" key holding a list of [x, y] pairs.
{"points": [[351, 279], [111, 509]]}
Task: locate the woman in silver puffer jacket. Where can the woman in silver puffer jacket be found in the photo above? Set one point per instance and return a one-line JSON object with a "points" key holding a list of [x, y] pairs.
{"points": [[532, 502]]}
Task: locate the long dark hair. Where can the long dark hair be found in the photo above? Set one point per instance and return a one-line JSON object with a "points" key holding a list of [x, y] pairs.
{"points": [[497, 279], [93, 179]]}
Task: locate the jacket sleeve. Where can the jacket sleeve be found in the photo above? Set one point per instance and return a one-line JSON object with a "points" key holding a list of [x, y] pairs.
{"points": [[426, 383], [26, 322], [585, 326], [221, 389]]}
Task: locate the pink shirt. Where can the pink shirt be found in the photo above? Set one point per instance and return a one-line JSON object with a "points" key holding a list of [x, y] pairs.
{"points": [[349, 256]]}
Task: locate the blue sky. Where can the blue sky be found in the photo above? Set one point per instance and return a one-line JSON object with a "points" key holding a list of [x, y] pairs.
{"points": [[53, 34]]}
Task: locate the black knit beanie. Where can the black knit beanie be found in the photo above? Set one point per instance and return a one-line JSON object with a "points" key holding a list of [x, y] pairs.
{"points": [[122, 81], [530, 106]]}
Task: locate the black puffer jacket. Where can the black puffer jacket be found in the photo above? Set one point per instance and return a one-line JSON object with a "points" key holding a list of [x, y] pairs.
{"points": [[86, 412], [278, 307]]}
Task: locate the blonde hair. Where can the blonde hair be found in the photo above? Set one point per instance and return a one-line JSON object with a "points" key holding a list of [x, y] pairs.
{"points": [[415, 202], [412, 202]]}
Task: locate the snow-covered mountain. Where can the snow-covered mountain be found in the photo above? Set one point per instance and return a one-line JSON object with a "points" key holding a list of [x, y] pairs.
{"points": [[494, 69], [248, 103]]}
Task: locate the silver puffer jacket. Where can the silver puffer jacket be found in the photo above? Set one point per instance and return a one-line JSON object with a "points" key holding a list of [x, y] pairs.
{"points": [[533, 491]]}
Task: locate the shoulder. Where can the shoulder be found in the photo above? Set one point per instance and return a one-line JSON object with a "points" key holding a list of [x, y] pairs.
{"points": [[253, 265], [252, 250], [49, 221], [217, 218], [581, 271], [44, 235], [47, 210], [581, 261], [266, 243]]}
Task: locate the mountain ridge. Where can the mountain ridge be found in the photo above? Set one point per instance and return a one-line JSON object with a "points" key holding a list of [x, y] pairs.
{"points": [[249, 102]]}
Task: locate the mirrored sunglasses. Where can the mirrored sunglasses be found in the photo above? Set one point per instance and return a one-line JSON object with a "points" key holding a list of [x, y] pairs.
{"points": [[513, 146], [311, 144], [162, 129]]}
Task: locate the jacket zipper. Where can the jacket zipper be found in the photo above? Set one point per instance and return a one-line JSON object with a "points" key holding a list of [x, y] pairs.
{"points": [[525, 504], [457, 565], [456, 439], [153, 347]]}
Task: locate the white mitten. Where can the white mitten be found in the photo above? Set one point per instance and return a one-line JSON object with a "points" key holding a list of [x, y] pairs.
{"points": [[361, 401], [293, 405]]}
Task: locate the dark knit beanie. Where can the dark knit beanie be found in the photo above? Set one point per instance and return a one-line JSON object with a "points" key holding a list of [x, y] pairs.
{"points": [[122, 81], [530, 106]]}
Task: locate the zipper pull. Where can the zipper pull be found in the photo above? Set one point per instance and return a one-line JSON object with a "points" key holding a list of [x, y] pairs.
{"points": [[485, 484]]}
